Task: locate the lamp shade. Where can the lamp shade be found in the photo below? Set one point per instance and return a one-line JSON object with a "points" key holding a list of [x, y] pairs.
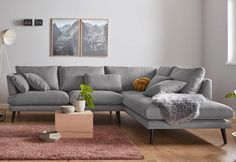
{"points": [[9, 36]]}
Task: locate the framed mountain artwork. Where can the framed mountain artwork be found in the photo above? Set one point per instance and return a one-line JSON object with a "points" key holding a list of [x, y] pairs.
{"points": [[65, 37], [94, 37]]}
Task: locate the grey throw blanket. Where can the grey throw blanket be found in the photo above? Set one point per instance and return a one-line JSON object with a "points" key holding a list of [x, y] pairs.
{"points": [[178, 108]]}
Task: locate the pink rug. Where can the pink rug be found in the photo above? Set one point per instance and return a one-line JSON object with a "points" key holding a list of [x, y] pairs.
{"points": [[21, 142]]}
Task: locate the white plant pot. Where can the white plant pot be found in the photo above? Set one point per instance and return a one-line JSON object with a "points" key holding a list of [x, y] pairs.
{"points": [[79, 105], [234, 136]]}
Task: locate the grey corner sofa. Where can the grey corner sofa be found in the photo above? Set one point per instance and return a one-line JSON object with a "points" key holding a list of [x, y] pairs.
{"points": [[64, 84]]}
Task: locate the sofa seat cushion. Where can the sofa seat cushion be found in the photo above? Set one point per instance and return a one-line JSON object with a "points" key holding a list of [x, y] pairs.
{"points": [[143, 106], [52, 97], [100, 97]]}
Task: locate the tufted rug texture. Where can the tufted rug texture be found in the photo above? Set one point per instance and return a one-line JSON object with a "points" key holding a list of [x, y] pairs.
{"points": [[21, 142]]}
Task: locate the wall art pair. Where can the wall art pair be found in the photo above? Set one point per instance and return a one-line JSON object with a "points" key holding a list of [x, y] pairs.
{"points": [[79, 37]]}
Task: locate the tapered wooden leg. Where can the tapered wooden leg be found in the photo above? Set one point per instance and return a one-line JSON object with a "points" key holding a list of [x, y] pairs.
{"points": [[18, 112], [110, 112], [152, 131], [118, 116], [13, 116], [223, 133]]}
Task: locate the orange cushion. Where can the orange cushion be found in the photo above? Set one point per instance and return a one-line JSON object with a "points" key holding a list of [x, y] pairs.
{"points": [[140, 84]]}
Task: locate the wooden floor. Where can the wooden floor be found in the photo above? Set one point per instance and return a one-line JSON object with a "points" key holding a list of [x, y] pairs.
{"points": [[172, 145]]}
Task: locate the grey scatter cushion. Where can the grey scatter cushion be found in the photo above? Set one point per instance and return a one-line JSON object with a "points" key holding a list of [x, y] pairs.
{"points": [[20, 83], [193, 77], [36, 82], [109, 82], [167, 86], [164, 71], [157, 79]]}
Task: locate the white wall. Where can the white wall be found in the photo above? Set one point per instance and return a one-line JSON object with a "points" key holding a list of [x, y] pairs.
{"points": [[141, 32], [215, 50]]}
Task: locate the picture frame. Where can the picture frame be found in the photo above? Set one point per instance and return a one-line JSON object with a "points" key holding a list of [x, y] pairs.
{"points": [[65, 37], [94, 37]]}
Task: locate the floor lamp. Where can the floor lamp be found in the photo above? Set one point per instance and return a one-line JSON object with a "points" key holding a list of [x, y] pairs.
{"points": [[8, 38]]}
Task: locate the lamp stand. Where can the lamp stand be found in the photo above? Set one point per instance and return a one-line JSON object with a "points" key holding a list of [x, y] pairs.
{"points": [[3, 52]]}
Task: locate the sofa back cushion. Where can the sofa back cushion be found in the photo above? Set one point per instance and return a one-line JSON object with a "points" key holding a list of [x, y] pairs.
{"points": [[193, 77], [70, 77], [48, 73], [129, 74], [164, 70]]}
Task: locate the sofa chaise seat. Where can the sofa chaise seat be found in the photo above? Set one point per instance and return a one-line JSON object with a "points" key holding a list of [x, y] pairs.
{"points": [[143, 106]]}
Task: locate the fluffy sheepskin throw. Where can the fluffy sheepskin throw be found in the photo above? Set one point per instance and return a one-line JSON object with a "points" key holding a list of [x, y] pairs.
{"points": [[178, 108]]}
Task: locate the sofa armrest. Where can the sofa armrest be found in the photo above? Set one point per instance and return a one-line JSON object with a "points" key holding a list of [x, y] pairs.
{"points": [[206, 88], [12, 90]]}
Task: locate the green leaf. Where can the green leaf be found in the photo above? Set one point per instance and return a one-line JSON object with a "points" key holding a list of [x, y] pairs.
{"points": [[230, 95], [85, 93]]}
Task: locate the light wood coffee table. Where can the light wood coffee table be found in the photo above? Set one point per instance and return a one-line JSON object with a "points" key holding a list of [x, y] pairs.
{"points": [[74, 125]]}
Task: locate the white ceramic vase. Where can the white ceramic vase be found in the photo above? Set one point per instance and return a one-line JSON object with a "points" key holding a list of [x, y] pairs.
{"points": [[79, 105]]}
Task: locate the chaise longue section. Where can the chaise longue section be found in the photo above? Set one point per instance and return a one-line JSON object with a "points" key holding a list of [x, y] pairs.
{"points": [[140, 107]]}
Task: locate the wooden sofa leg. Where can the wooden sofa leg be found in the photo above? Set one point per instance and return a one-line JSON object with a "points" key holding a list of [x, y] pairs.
{"points": [[223, 133], [110, 112], [118, 116], [152, 131], [13, 116], [18, 112]]}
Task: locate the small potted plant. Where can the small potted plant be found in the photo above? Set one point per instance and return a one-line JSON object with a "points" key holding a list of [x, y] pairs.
{"points": [[84, 98]]}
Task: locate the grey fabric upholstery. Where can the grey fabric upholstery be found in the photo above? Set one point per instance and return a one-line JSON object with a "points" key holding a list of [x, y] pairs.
{"points": [[31, 98], [20, 83], [164, 71], [36, 82], [51, 108], [167, 86], [161, 124], [107, 108], [212, 114], [100, 97], [129, 74], [48, 73], [57, 107], [206, 88], [193, 77], [143, 106], [107, 82], [156, 79], [12, 90], [70, 77]]}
